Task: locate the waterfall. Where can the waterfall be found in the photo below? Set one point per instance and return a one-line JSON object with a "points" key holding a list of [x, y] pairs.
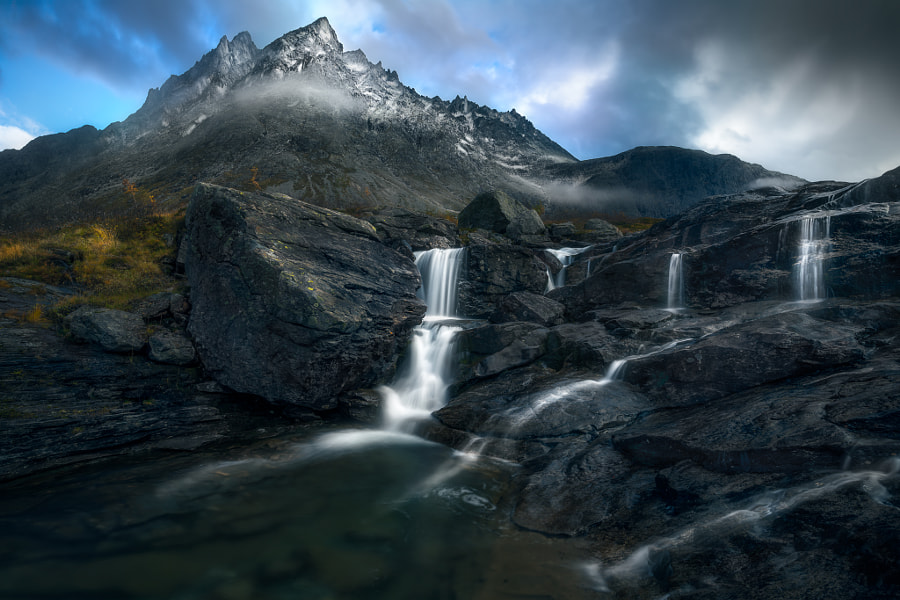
{"points": [[422, 388], [676, 282], [815, 234], [440, 274], [566, 256]]}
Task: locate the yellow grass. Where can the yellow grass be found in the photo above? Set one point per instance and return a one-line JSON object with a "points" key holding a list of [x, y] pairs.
{"points": [[108, 263]]}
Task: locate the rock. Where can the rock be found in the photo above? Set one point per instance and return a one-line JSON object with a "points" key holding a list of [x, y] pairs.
{"points": [[526, 306], [545, 408], [66, 404], [172, 348], [586, 345], [598, 231], [113, 330], [576, 489], [743, 356], [493, 272], [496, 211], [491, 349], [292, 302], [561, 231], [422, 232]]}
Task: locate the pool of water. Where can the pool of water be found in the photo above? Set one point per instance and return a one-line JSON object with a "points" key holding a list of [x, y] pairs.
{"points": [[344, 514]]}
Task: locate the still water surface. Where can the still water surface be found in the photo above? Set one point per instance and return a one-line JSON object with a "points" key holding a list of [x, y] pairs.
{"points": [[346, 514]]}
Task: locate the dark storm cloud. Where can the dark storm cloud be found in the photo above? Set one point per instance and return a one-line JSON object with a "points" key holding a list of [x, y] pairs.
{"points": [[120, 43]]}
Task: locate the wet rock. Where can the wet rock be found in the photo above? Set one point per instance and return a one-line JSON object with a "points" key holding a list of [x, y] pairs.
{"points": [[493, 272], [292, 302], [588, 345], [526, 306], [172, 348], [743, 356], [491, 349], [598, 231], [549, 408], [496, 211], [113, 330], [421, 232], [574, 490]]}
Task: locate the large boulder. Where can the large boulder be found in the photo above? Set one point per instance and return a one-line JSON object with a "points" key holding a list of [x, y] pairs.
{"points": [[496, 211], [293, 302]]}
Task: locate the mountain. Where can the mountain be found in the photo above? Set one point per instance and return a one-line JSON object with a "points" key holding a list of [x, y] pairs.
{"points": [[305, 118], [657, 181]]}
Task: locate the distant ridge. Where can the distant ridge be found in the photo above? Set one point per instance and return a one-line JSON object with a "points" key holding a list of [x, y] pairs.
{"points": [[658, 181], [305, 118]]}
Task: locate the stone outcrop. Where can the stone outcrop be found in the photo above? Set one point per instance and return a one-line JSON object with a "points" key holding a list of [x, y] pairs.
{"points": [[292, 302], [496, 211], [113, 330], [746, 248], [492, 272]]}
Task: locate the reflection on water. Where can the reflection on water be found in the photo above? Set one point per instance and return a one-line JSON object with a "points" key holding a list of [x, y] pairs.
{"points": [[353, 514]]}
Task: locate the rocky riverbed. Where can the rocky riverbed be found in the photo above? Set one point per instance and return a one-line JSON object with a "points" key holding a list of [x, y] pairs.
{"points": [[736, 437]]}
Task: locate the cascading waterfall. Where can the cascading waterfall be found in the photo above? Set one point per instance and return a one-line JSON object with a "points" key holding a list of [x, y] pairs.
{"points": [[566, 256], [815, 238], [676, 282], [423, 387]]}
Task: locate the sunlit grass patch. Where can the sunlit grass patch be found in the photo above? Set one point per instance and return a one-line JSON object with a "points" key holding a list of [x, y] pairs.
{"points": [[110, 263]]}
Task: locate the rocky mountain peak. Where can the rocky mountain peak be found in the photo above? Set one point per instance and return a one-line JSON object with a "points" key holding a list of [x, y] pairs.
{"points": [[298, 49]]}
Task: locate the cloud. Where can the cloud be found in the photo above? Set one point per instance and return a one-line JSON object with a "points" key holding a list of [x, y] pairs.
{"points": [[806, 86], [13, 137]]}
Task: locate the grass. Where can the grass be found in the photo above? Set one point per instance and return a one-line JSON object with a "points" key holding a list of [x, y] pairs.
{"points": [[627, 224], [108, 263]]}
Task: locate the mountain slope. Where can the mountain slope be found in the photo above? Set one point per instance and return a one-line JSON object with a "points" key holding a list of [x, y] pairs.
{"points": [[305, 118], [657, 181], [317, 123]]}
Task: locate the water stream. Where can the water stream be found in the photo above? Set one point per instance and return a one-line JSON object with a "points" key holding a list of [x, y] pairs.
{"points": [[422, 387], [815, 239], [566, 256], [676, 283]]}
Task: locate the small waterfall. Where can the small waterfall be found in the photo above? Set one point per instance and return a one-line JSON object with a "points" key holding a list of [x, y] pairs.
{"points": [[566, 256], [422, 388], [616, 369], [676, 282], [815, 236], [440, 276]]}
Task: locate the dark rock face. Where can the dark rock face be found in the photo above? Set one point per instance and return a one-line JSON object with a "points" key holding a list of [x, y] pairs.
{"points": [[398, 227], [526, 306], [291, 302], [172, 348], [494, 271], [496, 211], [744, 356], [67, 403]]}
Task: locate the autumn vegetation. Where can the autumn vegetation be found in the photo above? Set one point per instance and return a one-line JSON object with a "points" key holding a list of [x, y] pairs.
{"points": [[107, 262]]}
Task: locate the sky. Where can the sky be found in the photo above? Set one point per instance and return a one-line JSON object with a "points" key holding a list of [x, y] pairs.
{"points": [[805, 87]]}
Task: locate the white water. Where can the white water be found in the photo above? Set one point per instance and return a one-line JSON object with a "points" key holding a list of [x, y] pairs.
{"points": [[422, 388], [566, 256], [815, 234], [615, 371], [676, 282], [440, 276]]}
